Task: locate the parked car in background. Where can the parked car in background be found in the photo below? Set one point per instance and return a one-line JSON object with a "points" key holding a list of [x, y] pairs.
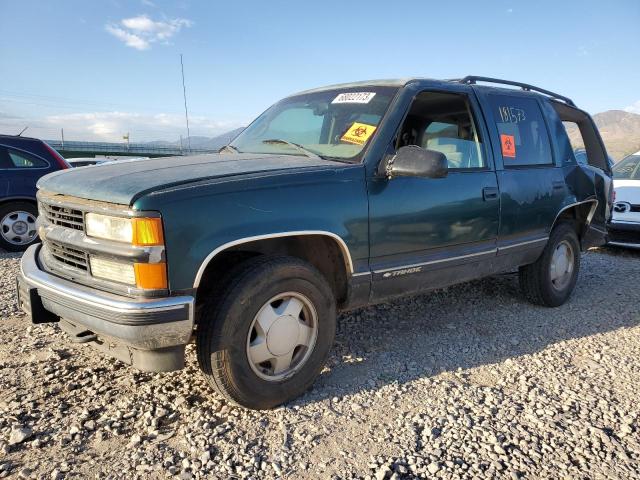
{"points": [[23, 161], [624, 228]]}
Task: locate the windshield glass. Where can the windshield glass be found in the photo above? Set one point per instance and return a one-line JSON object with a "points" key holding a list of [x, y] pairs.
{"points": [[627, 169], [330, 124]]}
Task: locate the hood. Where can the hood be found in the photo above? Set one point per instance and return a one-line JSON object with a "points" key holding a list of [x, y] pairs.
{"points": [[124, 181]]}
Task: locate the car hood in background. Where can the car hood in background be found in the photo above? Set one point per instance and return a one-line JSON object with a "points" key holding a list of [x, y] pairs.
{"points": [[124, 181]]}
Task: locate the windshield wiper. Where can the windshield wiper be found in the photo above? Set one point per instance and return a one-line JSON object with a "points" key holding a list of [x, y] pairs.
{"points": [[229, 148], [278, 141]]}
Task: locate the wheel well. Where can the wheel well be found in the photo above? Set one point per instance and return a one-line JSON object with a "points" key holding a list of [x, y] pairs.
{"points": [[578, 216], [323, 252], [4, 201]]}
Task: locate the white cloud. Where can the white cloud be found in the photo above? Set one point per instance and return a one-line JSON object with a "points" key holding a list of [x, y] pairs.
{"points": [[110, 126], [141, 32], [633, 108]]}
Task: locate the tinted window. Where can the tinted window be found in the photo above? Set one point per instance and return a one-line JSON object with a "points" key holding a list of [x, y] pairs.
{"points": [[443, 122], [10, 158], [627, 169], [523, 133]]}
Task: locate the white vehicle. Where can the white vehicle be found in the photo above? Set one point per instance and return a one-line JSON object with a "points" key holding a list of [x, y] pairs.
{"points": [[624, 229]]}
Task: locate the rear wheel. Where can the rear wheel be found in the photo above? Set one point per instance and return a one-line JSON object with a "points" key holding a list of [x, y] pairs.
{"points": [[550, 280], [18, 226], [264, 338]]}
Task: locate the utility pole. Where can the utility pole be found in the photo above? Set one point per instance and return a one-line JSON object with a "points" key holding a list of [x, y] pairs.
{"points": [[126, 137], [186, 112], [62, 133]]}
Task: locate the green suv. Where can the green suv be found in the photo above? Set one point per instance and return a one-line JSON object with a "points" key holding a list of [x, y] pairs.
{"points": [[332, 199]]}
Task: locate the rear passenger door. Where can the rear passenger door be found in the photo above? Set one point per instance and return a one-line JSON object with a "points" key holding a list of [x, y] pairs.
{"points": [[532, 186], [20, 170]]}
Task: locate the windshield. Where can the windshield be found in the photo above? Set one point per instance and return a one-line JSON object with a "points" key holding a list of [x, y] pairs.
{"points": [[334, 124], [627, 169]]}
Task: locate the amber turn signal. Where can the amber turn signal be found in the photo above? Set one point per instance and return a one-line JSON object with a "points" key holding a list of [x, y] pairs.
{"points": [[147, 231], [151, 276]]}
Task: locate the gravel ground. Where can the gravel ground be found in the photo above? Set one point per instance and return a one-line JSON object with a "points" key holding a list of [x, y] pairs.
{"points": [[467, 382]]}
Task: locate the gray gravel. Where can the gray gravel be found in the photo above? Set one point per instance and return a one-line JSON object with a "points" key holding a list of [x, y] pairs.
{"points": [[468, 382]]}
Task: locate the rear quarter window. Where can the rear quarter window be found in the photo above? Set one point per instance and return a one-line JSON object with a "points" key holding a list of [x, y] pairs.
{"points": [[522, 132], [12, 158]]}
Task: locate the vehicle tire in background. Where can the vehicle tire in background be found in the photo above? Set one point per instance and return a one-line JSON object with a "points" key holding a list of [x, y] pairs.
{"points": [[18, 226], [550, 280], [264, 338]]}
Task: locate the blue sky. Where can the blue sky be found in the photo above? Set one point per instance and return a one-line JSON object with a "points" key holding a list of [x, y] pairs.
{"points": [[100, 69]]}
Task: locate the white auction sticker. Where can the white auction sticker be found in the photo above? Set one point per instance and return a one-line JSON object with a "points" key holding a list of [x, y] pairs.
{"points": [[354, 97]]}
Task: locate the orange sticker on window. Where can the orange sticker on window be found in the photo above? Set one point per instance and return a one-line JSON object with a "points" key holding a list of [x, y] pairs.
{"points": [[358, 133], [508, 145]]}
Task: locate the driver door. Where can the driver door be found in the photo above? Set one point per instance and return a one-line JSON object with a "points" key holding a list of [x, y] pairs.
{"points": [[430, 232]]}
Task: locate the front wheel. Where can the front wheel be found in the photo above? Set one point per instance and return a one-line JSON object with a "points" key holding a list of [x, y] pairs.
{"points": [[550, 280], [263, 340], [18, 226]]}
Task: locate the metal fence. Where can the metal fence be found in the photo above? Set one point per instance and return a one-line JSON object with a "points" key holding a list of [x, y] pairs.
{"points": [[124, 149]]}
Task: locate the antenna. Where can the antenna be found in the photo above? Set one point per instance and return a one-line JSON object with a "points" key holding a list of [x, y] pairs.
{"points": [[186, 112], [22, 131]]}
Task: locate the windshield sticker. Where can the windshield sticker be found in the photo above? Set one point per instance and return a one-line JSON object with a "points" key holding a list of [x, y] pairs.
{"points": [[508, 145], [358, 133], [354, 97]]}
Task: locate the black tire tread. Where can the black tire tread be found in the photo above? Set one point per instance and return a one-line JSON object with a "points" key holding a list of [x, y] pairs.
{"points": [[533, 277], [215, 330]]}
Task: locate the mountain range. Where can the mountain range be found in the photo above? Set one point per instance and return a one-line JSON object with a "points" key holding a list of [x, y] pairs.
{"points": [[200, 142]]}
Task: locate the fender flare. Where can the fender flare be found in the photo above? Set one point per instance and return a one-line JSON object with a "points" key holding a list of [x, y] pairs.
{"points": [[299, 233]]}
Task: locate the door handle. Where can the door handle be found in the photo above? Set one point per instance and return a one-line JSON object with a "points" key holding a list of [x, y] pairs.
{"points": [[489, 193], [558, 185]]}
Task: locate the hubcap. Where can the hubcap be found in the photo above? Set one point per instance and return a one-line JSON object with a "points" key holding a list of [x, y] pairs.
{"points": [[562, 265], [282, 336], [18, 228]]}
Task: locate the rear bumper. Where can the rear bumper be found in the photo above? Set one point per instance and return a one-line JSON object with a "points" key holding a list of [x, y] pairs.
{"points": [[149, 333], [624, 234]]}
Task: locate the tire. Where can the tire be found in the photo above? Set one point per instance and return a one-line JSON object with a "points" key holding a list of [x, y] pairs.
{"points": [[230, 339], [544, 284], [17, 226]]}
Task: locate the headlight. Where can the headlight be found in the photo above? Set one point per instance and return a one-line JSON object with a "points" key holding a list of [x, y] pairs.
{"points": [[135, 231], [112, 270], [110, 228]]}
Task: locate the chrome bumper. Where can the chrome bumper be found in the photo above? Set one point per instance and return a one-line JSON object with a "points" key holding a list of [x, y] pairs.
{"points": [[149, 333]]}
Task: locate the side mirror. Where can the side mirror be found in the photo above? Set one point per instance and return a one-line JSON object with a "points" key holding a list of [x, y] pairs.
{"points": [[414, 161]]}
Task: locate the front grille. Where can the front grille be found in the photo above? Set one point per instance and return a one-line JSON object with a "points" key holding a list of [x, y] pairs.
{"points": [[67, 255], [63, 216], [624, 236]]}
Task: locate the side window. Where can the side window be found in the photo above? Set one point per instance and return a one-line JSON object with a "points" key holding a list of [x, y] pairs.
{"points": [[577, 142], [523, 134], [17, 159], [444, 122]]}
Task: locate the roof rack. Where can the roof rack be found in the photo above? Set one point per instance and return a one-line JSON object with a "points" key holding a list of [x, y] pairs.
{"points": [[471, 79]]}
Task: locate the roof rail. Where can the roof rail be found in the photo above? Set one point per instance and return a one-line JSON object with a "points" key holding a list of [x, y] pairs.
{"points": [[471, 79]]}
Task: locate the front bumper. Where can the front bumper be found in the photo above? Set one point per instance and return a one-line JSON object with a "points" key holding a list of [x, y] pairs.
{"points": [[624, 234], [148, 333]]}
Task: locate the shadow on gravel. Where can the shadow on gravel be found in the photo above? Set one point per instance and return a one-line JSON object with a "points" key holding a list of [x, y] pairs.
{"points": [[473, 324]]}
